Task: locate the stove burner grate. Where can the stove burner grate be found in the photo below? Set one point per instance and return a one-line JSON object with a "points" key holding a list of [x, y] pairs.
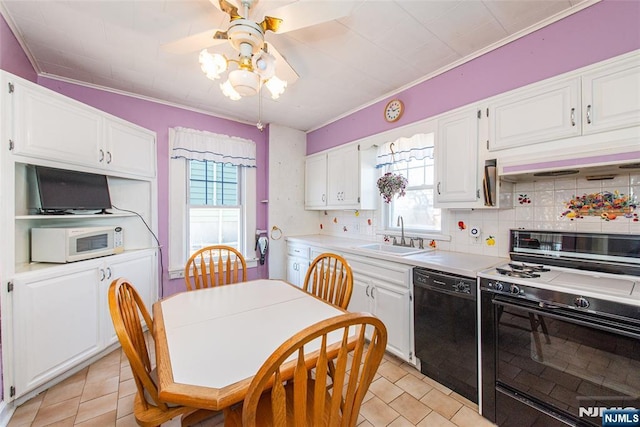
{"points": [[517, 273], [529, 268]]}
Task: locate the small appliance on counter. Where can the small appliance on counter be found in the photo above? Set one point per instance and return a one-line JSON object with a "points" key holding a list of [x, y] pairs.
{"points": [[61, 245], [560, 329]]}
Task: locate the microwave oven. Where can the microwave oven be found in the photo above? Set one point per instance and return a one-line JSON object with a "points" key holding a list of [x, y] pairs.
{"points": [[69, 244]]}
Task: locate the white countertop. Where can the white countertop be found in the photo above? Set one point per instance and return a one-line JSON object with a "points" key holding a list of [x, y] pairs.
{"points": [[461, 263]]}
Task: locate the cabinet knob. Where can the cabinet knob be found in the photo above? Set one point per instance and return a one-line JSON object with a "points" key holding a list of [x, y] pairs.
{"points": [[589, 114], [366, 291], [109, 158], [101, 159]]}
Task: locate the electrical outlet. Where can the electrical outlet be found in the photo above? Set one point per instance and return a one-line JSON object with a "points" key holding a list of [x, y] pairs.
{"points": [[355, 227]]}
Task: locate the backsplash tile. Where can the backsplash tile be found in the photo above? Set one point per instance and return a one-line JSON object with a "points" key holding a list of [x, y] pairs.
{"points": [[538, 205]]}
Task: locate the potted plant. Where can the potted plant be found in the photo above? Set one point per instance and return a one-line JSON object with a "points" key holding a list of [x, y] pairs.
{"points": [[391, 184]]}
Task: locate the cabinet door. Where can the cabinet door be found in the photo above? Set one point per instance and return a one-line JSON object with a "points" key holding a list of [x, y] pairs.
{"points": [[56, 325], [361, 295], [140, 270], [315, 181], [336, 177], [457, 157], [611, 97], [129, 149], [296, 270], [542, 113], [392, 306], [50, 126], [343, 177]]}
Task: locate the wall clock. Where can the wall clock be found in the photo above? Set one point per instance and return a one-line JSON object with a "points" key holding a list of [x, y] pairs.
{"points": [[393, 110]]}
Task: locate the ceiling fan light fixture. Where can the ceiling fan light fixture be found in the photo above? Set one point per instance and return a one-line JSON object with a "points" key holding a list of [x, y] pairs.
{"points": [[264, 64], [276, 86], [244, 82], [229, 91], [212, 65]]}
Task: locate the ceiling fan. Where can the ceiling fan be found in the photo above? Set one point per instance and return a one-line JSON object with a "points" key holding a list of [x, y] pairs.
{"points": [[255, 62]]}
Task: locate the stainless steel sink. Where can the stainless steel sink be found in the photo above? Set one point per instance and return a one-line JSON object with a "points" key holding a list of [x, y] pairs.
{"points": [[391, 249]]}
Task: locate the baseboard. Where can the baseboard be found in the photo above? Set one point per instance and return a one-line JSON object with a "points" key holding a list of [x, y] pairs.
{"points": [[6, 411]]}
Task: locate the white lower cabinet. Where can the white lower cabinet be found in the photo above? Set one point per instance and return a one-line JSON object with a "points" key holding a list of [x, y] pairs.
{"points": [[139, 269], [382, 288], [61, 314], [297, 263], [56, 324]]}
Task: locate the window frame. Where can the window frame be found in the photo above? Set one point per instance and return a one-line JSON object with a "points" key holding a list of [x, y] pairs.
{"points": [[178, 215]]}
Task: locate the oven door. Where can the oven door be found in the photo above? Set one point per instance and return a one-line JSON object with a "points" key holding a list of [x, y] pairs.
{"points": [[556, 365]]}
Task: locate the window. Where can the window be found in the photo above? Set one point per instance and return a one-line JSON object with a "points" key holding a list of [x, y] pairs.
{"points": [[214, 205], [416, 206], [211, 200], [412, 158]]}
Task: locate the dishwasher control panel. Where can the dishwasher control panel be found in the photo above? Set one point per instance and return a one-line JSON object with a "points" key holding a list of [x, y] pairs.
{"points": [[444, 281]]}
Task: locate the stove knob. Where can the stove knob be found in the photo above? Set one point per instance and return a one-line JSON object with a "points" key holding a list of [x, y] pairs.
{"points": [[499, 286], [514, 289], [581, 302]]}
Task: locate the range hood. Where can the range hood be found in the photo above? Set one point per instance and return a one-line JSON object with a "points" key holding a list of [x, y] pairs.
{"points": [[585, 171]]}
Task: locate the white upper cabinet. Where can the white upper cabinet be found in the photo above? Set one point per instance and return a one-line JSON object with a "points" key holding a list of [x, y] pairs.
{"points": [[611, 96], [537, 114], [315, 181], [347, 180], [51, 126], [42, 126], [456, 155], [128, 149], [596, 99], [343, 177]]}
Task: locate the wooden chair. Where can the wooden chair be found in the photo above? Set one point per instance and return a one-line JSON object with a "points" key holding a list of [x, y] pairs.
{"points": [[126, 306], [214, 266], [306, 401], [329, 277]]}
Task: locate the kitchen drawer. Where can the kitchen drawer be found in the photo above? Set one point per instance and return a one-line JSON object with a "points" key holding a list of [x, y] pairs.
{"points": [[301, 251], [389, 272]]}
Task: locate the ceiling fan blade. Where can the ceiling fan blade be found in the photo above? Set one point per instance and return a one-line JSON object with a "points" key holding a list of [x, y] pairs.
{"points": [[284, 70], [195, 42], [303, 14], [229, 8], [270, 23], [221, 35]]}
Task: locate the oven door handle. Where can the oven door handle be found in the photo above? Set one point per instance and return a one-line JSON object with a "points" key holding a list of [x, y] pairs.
{"points": [[589, 320]]}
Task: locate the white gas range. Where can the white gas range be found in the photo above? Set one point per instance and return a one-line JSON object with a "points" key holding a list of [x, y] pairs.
{"points": [[516, 276]]}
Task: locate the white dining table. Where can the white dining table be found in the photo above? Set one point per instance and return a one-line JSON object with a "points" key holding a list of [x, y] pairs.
{"points": [[210, 342]]}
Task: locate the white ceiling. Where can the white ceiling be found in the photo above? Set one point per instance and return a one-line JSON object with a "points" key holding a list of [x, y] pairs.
{"points": [[380, 47]]}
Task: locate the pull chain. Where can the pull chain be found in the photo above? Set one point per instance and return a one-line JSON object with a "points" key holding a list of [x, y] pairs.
{"points": [[260, 125]]}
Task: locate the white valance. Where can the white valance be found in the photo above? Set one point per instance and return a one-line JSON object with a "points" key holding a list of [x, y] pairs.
{"points": [[419, 147], [194, 144]]}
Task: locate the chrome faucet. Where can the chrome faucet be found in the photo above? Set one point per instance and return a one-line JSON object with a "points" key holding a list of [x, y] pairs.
{"points": [[401, 225]]}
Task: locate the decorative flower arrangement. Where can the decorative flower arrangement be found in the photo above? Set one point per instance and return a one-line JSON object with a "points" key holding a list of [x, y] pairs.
{"points": [[391, 184], [605, 204]]}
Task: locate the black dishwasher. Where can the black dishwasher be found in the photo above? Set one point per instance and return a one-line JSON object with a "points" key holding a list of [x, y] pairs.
{"points": [[445, 329]]}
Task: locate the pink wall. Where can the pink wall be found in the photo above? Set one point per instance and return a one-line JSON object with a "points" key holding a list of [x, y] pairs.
{"points": [[599, 32], [159, 118], [12, 57]]}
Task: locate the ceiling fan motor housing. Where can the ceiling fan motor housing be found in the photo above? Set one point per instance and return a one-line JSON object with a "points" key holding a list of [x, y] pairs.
{"points": [[244, 31]]}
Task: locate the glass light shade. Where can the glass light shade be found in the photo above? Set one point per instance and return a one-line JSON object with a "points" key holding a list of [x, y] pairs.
{"points": [[212, 65], [245, 82], [229, 91], [275, 86], [264, 64]]}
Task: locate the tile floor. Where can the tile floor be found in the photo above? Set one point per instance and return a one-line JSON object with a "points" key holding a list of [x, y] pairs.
{"points": [[102, 395]]}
